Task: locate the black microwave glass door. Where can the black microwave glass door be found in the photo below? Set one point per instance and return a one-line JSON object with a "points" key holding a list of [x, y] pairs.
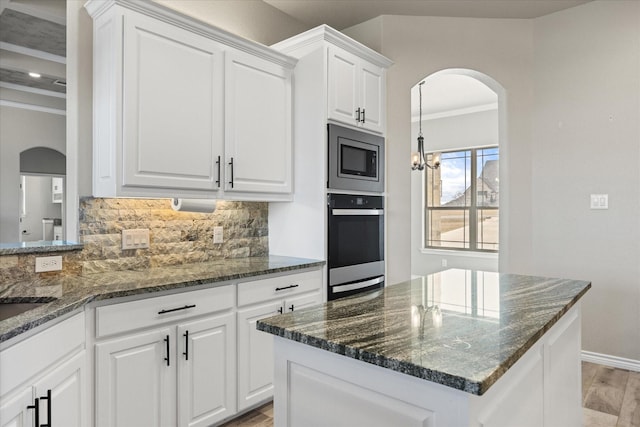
{"points": [[358, 161], [355, 239]]}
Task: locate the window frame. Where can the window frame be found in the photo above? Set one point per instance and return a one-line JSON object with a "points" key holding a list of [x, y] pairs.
{"points": [[472, 210]]}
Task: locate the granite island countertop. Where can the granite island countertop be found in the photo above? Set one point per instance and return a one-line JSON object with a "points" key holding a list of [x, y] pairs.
{"points": [[460, 328], [74, 292]]}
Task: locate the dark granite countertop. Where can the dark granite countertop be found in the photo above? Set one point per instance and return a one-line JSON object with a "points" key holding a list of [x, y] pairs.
{"points": [[74, 292], [40, 246], [460, 328]]}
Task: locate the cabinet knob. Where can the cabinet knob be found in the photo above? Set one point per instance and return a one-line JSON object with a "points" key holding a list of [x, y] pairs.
{"points": [[358, 115], [280, 310], [291, 308]]}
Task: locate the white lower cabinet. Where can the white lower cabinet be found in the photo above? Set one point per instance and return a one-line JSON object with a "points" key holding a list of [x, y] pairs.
{"points": [[206, 371], [181, 372], [49, 386], [134, 384], [258, 300]]}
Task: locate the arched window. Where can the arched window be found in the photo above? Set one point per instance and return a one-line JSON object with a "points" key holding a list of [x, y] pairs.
{"points": [[460, 126]]}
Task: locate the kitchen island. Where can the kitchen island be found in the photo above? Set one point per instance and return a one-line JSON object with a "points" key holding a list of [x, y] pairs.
{"points": [[455, 348]]}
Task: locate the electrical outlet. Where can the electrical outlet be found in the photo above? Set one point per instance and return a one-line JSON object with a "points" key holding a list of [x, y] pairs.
{"points": [[48, 263], [218, 236], [444, 262], [135, 239]]}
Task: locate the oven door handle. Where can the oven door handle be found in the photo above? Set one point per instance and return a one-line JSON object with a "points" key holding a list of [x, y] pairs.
{"points": [[359, 285], [357, 212]]}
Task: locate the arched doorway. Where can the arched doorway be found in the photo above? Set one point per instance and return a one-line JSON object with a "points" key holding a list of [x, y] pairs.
{"points": [[459, 209]]}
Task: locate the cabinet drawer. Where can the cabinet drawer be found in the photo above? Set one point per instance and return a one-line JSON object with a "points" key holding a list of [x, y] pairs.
{"points": [[278, 287], [116, 318], [37, 353]]}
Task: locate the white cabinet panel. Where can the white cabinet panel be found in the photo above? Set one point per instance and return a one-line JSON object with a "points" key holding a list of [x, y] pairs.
{"points": [[45, 375], [135, 383], [373, 97], [356, 91], [14, 411], [255, 348], [65, 396], [173, 93], [343, 86], [206, 371], [257, 125], [161, 124], [255, 355]]}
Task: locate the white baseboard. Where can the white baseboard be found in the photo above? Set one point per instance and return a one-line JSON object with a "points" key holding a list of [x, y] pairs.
{"points": [[612, 361]]}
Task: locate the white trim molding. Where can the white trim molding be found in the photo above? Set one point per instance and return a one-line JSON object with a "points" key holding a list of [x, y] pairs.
{"points": [[32, 107], [611, 361]]}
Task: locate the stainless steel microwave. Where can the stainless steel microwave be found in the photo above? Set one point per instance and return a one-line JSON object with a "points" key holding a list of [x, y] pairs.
{"points": [[356, 160]]}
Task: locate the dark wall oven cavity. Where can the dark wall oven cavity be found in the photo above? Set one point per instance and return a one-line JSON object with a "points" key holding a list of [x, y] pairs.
{"points": [[356, 244]]}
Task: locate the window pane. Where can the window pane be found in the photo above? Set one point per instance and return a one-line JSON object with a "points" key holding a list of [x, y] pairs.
{"points": [[451, 181], [448, 228], [488, 184], [488, 220]]}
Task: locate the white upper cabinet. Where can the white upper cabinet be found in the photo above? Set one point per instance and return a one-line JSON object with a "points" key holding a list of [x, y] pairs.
{"points": [[169, 115], [172, 115], [356, 91], [258, 124]]}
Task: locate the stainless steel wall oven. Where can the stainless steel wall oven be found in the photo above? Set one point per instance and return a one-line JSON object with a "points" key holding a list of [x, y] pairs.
{"points": [[356, 244]]}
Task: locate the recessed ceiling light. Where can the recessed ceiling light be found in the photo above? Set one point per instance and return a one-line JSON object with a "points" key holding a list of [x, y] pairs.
{"points": [[34, 75]]}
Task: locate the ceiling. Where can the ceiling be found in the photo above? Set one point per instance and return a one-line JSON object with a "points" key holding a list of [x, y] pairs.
{"points": [[33, 39], [341, 14]]}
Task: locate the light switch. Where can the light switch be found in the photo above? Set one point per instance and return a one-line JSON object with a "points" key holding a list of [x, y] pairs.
{"points": [[599, 201], [135, 239]]}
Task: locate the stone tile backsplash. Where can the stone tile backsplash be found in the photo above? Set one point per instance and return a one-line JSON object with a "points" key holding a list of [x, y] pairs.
{"points": [[174, 237]]}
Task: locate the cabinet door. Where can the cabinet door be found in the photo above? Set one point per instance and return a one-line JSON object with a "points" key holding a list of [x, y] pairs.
{"points": [[257, 125], [62, 393], [372, 90], [303, 301], [343, 98], [135, 383], [255, 355], [172, 106], [206, 371], [13, 409]]}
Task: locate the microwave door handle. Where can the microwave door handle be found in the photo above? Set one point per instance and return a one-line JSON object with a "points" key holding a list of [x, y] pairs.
{"points": [[357, 212], [358, 285]]}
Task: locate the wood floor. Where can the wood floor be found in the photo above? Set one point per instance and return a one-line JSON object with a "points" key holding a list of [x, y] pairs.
{"points": [[610, 398]]}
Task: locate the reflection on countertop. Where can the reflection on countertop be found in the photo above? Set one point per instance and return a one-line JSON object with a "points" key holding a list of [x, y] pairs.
{"points": [[460, 328]]}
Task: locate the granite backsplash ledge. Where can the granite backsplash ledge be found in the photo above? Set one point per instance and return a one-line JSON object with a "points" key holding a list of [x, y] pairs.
{"points": [[174, 237]]}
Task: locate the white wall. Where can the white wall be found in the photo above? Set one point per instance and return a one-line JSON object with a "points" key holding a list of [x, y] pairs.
{"points": [[251, 19], [586, 139], [420, 46], [20, 130], [572, 82]]}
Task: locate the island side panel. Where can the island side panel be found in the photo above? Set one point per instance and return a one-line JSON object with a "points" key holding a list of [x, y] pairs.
{"points": [[316, 387]]}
